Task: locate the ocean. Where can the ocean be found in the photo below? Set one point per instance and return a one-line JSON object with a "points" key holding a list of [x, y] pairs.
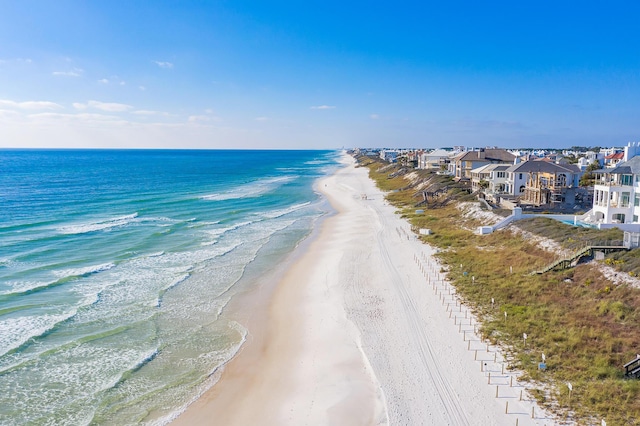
{"points": [[116, 266]]}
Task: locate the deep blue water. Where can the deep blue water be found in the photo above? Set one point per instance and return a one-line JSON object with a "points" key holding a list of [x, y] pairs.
{"points": [[115, 267]]}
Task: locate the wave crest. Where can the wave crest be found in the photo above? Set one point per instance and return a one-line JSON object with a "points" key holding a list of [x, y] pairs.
{"points": [[102, 225], [250, 190], [15, 332], [64, 276]]}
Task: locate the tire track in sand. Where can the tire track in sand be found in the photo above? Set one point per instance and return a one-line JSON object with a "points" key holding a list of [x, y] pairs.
{"points": [[444, 390]]}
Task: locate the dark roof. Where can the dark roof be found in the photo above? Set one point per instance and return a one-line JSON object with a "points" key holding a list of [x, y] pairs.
{"points": [[501, 167], [490, 155], [543, 166]]}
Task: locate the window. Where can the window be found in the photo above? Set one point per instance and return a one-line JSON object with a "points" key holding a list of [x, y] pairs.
{"points": [[635, 218], [561, 180], [626, 180], [636, 200], [520, 176], [501, 174], [618, 218], [624, 201]]}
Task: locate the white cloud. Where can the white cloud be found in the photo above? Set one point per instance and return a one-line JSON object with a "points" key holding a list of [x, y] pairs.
{"points": [[30, 104], [203, 118], [5, 113], [142, 88], [262, 118], [149, 113], [75, 72], [198, 118], [323, 107], [163, 64], [17, 60], [375, 117], [103, 106], [114, 79], [75, 117]]}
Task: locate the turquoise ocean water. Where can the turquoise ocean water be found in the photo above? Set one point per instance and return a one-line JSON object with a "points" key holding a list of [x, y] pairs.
{"points": [[115, 267]]}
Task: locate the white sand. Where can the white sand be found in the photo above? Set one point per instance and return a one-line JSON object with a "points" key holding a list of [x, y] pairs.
{"points": [[361, 331]]}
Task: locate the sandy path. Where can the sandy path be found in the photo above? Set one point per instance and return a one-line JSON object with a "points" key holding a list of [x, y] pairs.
{"points": [[362, 331]]}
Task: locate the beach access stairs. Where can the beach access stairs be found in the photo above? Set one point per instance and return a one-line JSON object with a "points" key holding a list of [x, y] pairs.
{"points": [[632, 368], [574, 259], [432, 195]]}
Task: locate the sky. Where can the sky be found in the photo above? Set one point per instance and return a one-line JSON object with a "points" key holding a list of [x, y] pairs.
{"points": [[318, 75]]}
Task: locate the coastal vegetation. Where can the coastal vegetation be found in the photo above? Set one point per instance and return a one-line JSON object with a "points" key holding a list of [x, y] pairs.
{"points": [[585, 323], [589, 177]]}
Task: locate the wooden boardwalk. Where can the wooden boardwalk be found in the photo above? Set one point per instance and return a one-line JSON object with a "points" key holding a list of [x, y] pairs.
{"points": [[571, 261], [632, 368]]}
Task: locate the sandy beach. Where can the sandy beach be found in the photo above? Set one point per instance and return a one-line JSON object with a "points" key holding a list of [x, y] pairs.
{"points": [[362, 330]]}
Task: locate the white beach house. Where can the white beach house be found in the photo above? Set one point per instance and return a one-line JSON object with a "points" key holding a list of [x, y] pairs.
{"points": [[616, 194], [494, 177], [434, 160]]}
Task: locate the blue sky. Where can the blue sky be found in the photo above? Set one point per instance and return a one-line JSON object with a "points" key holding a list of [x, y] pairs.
{"points": [[276, 74]]}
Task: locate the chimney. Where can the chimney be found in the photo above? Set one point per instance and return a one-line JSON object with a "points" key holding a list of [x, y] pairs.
{"points": [[481, 154], [630, 151]]}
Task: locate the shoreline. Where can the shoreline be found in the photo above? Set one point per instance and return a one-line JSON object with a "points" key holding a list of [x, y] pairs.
{"points": [[276, 340], [353, 333]]}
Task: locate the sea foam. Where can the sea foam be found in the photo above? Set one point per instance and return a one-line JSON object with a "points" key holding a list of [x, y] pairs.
{"points": [[15, 332], [250, 190], [102, 225]]}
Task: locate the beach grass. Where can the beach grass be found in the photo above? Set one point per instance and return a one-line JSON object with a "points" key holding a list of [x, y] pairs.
{"points": [[586, 326]]}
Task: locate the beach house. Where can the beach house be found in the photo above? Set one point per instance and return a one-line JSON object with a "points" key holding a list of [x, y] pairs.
{"points": [[491, 178], [542, 182], [435, 159], [389, 155], [465, 162], [612, 160], [616, 194], [516, 180]]}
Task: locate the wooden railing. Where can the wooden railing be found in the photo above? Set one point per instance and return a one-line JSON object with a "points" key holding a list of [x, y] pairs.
{"points": [[586, 251]]}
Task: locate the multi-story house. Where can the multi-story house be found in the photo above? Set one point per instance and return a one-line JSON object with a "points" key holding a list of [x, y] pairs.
{"points": [[389, 155], [612, 160], [516, 180], [491, 177], [542, 182], [616, 194], [434, 160], [463, 163]]}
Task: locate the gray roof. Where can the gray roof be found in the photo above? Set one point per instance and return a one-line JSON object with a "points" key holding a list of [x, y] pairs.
{"points": [[630, 167], [489, 155], [544, 167], [439, 153]]}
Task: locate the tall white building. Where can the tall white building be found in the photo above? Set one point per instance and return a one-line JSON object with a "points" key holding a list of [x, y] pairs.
{"points": [[616, 194]]}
